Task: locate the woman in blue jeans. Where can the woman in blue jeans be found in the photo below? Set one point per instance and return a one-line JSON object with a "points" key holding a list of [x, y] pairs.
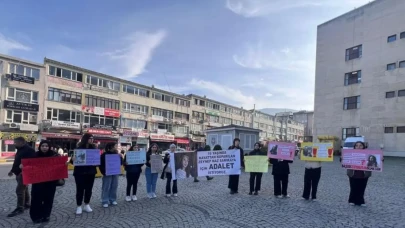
{"points": [[151, 178]]}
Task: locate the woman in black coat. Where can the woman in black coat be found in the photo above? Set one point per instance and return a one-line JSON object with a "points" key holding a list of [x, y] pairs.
{"points": [[233, 183], [281, 170], [42, 194]]}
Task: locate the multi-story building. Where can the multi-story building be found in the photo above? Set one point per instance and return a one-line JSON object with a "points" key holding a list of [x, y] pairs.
{"points": [[22, 97], [360, 76], [291, 130], [307, 119], [266, 123]]}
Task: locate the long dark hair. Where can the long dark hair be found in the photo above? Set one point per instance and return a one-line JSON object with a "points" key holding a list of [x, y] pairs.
{"points": [[236, 139], [362, 143], [259, 144], [217, 147], [110, 146], [189, 166], [49, 146], [85, 140], [150, 148]]}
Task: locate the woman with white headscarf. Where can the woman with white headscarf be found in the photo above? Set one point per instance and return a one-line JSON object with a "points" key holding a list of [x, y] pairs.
{"points": [[168, 171]]}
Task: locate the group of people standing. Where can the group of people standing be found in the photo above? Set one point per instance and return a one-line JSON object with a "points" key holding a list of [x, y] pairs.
{"points": [[42, 194]]}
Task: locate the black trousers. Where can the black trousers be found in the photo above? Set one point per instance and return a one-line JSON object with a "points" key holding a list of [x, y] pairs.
{"points": [[311, 180], [280, 184], [357, 189], [84, 188], [132, 182], [255, 177], [168, 183], [42, 195], [233, 183], [23, 194]]}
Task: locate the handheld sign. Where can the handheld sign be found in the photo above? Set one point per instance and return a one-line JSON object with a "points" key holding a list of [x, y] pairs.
{"points": [[156, 163], [38, 170], [135, 157], [317, 152], [86, 157], [281, 150], [256, 164], [112, 164], [183, 165], [221, 162], [363, 160]]}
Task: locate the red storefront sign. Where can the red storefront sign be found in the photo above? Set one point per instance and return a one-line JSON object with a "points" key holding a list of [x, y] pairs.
{"points": [[99, 131], [163, 138], [182, 141], [101, 111]]}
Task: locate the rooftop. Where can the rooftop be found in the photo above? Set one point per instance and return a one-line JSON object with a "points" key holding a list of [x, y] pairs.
{"points": [[232, 127]]}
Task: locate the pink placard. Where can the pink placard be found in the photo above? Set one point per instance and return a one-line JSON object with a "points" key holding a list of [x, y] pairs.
{"points": [[281, 150], [364, 160]]}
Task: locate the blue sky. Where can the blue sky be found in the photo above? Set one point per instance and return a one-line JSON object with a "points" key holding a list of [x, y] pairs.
{"points": [[241, 52]]}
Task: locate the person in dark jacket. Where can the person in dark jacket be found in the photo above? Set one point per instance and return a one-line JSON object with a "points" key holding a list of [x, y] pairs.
{"points": [[358, 181], [281, 170], [84, 177], [233, 183], [256, 176], [168, 172], [151, 178], [22, 191], [109, 182], [133, 172], [201, 148], [43, 194]]}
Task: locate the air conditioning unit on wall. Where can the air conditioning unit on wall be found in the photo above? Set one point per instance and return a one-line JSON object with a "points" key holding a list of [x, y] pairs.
{"points": [[13, 125]]}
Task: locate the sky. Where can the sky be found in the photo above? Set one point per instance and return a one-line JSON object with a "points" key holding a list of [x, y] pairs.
{"points": [[239, 52]]}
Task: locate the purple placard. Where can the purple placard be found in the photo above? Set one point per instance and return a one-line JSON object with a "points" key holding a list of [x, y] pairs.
{"points": [[112, 164], [281, 150], [86, 157], [364, 160]]}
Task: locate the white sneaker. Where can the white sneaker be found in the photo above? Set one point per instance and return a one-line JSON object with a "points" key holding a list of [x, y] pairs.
{"points": [[114, 203], [87, 208], [154, 195], [364, 205], [105, 205], [351, 204], [287, 196], [175, 195], [134, 198], [279, 196], [150, 196], [79, 210], [314, 199], [128, 198], [168, 195]]}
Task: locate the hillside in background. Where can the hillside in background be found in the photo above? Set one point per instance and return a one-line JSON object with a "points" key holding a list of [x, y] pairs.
{"points": [[273, 111]]}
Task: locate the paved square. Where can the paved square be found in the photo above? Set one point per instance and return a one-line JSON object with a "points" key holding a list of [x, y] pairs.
{"points": [[208, 204]]}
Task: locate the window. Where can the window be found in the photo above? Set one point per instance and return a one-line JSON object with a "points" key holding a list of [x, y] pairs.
{"points": [[350, 132], [93, 80], [63, 115], [94, 101], [162, 126], [66, 74], [134, 124], [162, 112], [182, 102], [212, 119], [402, 64], [401, 129], [401, 93], [392, 38], [391, 66], [135, 108], [181, 116], [351, 103], [354, 52], [213, 106], [226, 121], [388, 130], [23, 70], [390, 94], [136, 91], [21, 117], [181, 129], [353, 78], [247, 141], [198, 115], [64, 96], [402, 35], [162, 97], [21, 95], [93, 119]]}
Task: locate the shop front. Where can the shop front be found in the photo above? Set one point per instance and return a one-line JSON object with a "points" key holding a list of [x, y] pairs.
{"points": [[138, 138], [103, 135], [183, 143], [62, 134], [162, 140], [8, 149], [197, 142]]}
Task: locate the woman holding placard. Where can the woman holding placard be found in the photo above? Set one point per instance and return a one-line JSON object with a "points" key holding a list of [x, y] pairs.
{"points": [[84, 177], [280, 172], [151, 178], [133, 172], [358, 181], [110, 180], [255, 177], [168, 171], [42, 194], [233, 183]]}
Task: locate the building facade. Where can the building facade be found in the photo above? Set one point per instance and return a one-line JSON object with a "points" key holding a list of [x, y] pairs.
{"points": [[60, 102], [307, 119], [360, 76]]}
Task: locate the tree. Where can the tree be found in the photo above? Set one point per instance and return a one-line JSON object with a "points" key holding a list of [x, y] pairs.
{"points": [[217, 147]]}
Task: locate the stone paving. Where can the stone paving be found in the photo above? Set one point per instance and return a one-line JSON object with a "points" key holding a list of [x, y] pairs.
{"points": [[209, 204]]}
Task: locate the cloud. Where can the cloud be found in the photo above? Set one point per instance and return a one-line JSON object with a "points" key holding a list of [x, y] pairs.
{"points": [[137, 52], [259, 8], [268, 95], [7, 45]]}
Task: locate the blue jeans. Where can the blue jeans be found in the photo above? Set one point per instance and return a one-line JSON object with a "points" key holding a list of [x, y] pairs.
{"points": [[151, 179], [109, 189]]}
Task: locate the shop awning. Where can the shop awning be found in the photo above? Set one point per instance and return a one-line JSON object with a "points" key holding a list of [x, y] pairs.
{"points": [[182, 141]]}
